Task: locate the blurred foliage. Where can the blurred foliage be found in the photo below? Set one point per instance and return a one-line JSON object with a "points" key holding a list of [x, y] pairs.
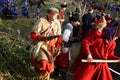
{"points": [[14, 58]]}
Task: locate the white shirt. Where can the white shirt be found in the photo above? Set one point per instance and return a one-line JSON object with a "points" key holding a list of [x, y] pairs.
{"points": [[66, 33]]}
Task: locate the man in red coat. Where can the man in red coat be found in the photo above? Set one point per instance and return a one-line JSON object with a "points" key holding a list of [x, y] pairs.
{"points": [[62, 12], [95, 46]]}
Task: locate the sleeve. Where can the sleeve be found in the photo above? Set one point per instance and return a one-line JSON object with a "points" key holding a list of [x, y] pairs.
{"points": [[34, 36], [113, 57], [66, 35], [59, 42], [36, 30], [38, 26], [86, 46]]}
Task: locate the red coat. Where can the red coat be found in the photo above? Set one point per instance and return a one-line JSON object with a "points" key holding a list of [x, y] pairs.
{"points": [[62, 14], [99, 49]]}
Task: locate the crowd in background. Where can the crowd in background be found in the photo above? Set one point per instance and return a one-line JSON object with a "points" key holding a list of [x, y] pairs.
{"points": [[10, 9]]}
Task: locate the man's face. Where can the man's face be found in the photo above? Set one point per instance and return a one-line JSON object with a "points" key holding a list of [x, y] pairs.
{"points": [[76, 23], [52, 17]]}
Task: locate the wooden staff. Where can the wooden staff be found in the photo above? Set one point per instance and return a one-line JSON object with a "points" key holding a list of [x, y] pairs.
{"points": [[98, 61]]}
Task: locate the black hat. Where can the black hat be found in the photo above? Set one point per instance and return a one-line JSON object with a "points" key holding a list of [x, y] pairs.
{"points": [[74, 17], [64, 4]]}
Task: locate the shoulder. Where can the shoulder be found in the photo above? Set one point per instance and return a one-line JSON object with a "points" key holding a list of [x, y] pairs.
{"points": [[68, 26], [57, 21], [43, 20]]}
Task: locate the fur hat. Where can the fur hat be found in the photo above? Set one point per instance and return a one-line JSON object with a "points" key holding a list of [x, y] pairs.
{"points": [[52, 10]]}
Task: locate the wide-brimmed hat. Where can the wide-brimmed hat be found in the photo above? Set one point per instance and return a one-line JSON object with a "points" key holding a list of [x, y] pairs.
{"points": [[64, 4]]}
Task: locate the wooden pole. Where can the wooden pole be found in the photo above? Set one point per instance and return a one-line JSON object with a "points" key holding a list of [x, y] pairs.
{"points": [[98, 61]]}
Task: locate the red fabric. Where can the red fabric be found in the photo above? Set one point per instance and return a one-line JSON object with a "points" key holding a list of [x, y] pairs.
{"points": [[99, 21], [62, 60], [83, 3], [89, 32], [32, 61], [99, 49], [51, 43], [58, 43], [108, 18], [34, 36], [100, 8], [42, 64], [62, 14]]}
